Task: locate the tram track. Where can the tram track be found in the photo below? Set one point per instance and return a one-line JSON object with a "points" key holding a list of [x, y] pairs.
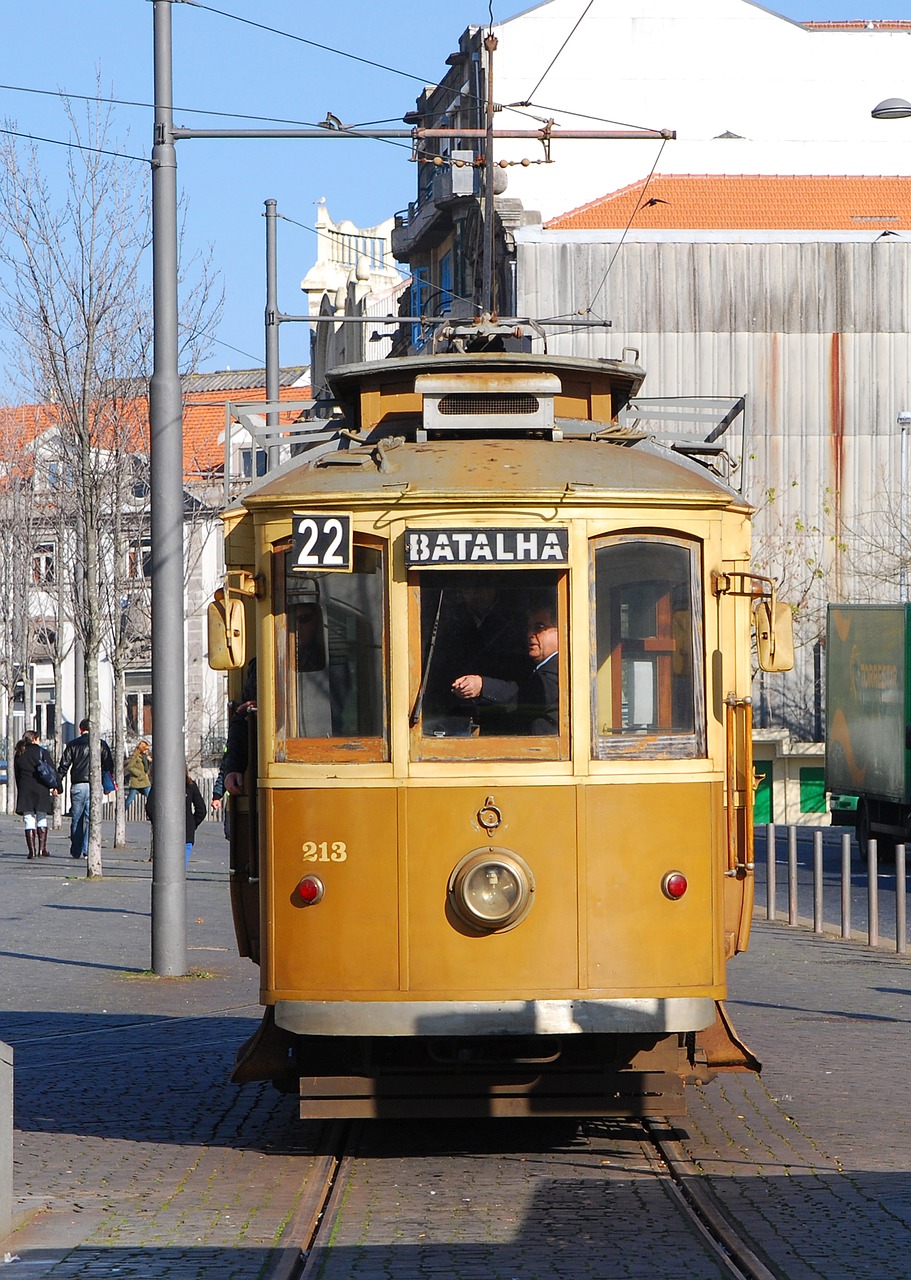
{"points": [[703, 1206], [332, 1223]]}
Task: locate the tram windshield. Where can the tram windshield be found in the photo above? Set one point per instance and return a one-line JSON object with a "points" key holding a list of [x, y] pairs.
{"points": [[647, 679], [490, 648], [329, 653]]}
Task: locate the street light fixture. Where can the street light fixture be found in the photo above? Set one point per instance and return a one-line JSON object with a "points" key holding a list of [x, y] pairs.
{"points": [[892, 109]]}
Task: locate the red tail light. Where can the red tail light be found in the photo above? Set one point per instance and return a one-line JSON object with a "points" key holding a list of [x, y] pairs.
{"points": [[310, 890], [674, 885]]}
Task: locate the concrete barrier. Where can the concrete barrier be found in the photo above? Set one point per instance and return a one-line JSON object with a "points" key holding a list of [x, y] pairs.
{"points": [[6, 1139]]}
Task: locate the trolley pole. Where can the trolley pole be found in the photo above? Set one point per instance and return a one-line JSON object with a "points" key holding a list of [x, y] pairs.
{"points": [[169, 885], [272, 323]]}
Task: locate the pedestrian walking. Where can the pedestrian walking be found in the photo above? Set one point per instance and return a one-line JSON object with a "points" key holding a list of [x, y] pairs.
{"points": [[34, 798], [137, 776], [195, 812], [76, 760]]}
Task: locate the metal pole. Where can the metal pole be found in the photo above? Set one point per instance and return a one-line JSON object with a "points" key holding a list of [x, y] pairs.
{"points": [[872, 895], [792, 875], [488, 251], [272, 325], [770, 885], [817, 882], [901, 903], [169, 889], [846, 885]]}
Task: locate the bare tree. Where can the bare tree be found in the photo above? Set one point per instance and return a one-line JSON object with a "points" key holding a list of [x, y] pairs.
{"points": [[71, 281]]}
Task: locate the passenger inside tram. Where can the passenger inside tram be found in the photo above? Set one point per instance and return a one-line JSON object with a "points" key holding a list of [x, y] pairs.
{"points": [[533, 701], [481, 657]]}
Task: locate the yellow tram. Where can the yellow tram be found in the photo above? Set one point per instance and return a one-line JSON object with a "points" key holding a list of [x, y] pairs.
{"points": [[495, 848]]}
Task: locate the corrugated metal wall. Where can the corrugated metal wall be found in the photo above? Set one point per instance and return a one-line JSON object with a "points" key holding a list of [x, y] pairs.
{"points": [[817, 335]]}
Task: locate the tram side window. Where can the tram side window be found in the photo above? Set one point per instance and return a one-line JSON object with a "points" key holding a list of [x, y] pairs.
{"points": [[330, 667], [490, 654], [647, 679]]}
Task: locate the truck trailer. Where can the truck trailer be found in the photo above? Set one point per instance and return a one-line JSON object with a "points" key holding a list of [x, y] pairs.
{"points": [[868, 722]]}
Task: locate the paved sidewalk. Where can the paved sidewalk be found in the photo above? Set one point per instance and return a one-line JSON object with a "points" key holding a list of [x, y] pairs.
{"points": [[814, 1156], [135, 1155]]}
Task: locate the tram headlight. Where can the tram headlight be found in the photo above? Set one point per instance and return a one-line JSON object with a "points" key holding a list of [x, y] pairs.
{"points": [[491, 889]]}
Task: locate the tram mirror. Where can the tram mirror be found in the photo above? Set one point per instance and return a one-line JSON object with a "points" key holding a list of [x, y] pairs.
{"points": [[226, 634], [774, 624]]}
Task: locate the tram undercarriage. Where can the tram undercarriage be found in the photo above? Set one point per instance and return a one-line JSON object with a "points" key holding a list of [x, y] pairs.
{"points": [[397, 1077]]}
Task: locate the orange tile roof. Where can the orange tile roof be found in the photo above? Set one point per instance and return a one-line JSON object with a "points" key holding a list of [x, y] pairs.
{"points": [[860, 24], [203, 424], [754, 202]]}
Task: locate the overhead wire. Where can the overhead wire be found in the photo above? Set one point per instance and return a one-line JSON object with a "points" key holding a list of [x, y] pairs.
{"points": [[553, 60], [589, 310], [75, 146]]}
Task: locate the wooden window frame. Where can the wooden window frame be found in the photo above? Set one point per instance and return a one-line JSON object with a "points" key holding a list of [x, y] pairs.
{"points": [[663, 744], [348, 750], [506, 747]]}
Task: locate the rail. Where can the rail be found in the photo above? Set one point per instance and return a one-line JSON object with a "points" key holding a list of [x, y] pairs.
{"points": [[826, 871]]}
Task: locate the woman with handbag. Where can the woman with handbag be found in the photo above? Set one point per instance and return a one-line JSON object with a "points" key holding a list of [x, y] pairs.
{"points": [[33, 794]]}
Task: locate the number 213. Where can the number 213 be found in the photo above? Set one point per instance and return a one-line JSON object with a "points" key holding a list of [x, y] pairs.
{"points": [[337, 851]]}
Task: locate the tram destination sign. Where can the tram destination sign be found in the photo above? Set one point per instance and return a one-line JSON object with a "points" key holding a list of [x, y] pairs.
{"points": [[320, 541], [444, 548]]}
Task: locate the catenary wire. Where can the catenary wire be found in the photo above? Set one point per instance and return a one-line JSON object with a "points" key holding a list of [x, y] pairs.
{"points": [[590, 308], [553, 60]]}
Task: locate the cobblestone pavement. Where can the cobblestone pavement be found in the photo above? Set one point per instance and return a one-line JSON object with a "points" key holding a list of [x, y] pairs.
{"points": [[814, 1157], [135, 1156], [513, 1199]]}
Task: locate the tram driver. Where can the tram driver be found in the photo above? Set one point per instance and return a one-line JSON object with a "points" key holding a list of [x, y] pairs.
{"points": [[533, 702]]}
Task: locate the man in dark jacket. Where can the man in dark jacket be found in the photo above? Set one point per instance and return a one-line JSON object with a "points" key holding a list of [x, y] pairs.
{"points": [[75, 760], [533, 702]]}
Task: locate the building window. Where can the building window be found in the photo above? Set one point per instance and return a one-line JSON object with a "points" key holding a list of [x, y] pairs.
{"points": [[247, 463], [60, 475], [140, 561], [45, 711], [139, 703], [44, 564]]}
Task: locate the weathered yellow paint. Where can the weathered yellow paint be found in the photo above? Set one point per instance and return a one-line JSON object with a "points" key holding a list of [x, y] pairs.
{"points": [[599, 925], [348, 943], [541, 953], [639, 940]]}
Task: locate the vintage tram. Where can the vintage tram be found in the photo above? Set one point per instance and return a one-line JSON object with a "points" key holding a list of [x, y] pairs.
{"points": [[494, 852]]}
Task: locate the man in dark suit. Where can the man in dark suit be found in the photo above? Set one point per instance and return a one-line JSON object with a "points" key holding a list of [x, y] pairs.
{"points": [[534, 702]]}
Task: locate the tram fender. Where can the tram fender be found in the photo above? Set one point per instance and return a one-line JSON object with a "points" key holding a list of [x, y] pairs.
{"points": [[723, 1048], [266, 1055]]}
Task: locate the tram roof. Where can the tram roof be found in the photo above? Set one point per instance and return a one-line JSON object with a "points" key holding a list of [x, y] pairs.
{"points": [[494, 468]]}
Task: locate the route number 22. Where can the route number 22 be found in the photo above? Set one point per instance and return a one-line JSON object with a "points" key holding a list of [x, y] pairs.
{"points": [[321, 542]]}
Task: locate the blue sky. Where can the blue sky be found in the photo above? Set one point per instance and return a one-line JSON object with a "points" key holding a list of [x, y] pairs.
{"points": [[225, 65]]}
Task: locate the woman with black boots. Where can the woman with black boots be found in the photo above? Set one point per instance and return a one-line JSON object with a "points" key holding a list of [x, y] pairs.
{"points": [[33, 797]]}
